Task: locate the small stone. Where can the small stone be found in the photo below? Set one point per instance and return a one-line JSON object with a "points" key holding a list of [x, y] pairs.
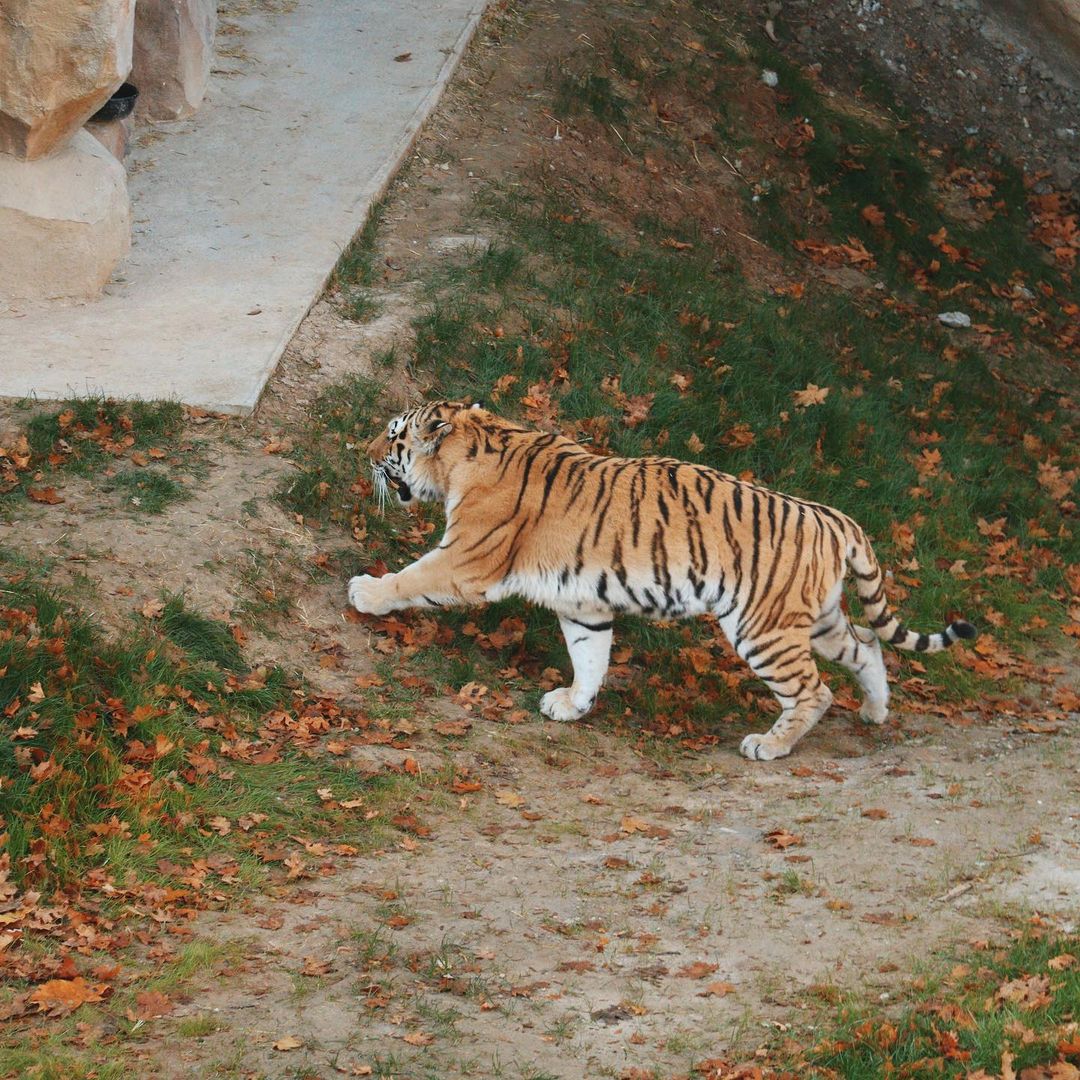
{"points": [[1064, 174], [451, 245], [65, 222], [955, 318], [770, 78]]}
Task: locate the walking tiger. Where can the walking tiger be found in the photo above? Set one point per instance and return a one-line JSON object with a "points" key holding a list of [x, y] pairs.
{"points": [[537, 516]]}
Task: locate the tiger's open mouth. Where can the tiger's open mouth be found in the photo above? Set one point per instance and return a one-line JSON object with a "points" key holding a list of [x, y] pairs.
{"points": [[383, 481]]}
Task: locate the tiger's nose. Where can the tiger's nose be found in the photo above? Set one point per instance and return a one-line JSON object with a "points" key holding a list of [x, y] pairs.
{"points": [[377, 447]]}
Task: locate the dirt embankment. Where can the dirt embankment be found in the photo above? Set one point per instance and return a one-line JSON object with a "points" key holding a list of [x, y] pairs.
{"points": [[987, 70]]}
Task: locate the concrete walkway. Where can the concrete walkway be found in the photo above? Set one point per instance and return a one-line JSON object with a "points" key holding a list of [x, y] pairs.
{"points": [[241, 212]]}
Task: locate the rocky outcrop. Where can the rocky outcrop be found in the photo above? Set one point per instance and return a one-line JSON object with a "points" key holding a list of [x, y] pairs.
{"points": [[64, 222], [174, 45], [59, 62]]}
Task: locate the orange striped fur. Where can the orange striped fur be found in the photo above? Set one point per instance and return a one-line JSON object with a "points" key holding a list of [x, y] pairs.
{"points": [[538, 516]]}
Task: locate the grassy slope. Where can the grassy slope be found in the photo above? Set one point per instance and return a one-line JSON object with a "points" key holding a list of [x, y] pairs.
{"points": [[925, 430]]}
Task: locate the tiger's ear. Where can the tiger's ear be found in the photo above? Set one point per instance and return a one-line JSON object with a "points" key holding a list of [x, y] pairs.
{"points": [[477, 405]]}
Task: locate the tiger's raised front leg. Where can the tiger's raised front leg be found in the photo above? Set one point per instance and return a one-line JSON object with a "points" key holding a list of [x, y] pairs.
{"points": [[431, 581], [589, 643]]}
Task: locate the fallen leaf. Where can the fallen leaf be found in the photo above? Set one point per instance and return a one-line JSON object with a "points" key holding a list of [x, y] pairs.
{"points": [[65, 995], [453, 727], [812, 395], [45, 495], [782, 839], [288, 1042], [1029, 992], [152, 1003], [698, 970], [873, 215]]}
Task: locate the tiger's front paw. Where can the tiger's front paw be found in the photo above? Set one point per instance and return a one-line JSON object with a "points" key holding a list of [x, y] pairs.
{"points": [[874, 712], [369, 595], [559, 705], [763, 748]]}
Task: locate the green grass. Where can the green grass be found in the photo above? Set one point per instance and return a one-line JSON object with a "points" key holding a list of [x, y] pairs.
{"points": [[356, 271], [109, 764], [96, 439], [204, 640], [50, 1059], [95, 428], [148, 490], [590, 92], [957, 1024]]}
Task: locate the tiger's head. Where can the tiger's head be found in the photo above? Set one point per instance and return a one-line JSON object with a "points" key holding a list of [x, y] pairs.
{"points": [[415, 454]]}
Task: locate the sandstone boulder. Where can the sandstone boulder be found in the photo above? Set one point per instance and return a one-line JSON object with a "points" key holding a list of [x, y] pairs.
{"points": [[59, 62], [174, 45], [64, 222], [114, 135]]}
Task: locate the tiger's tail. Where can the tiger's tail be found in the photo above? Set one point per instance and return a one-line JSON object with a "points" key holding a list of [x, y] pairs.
{"points": [[870, 585]]}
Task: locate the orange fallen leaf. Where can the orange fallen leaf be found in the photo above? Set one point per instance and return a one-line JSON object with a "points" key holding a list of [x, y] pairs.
{"points": [[152, 1003], [45, 495], [65, 995], [873, 215], [453, 727], [697, 970], [782, 839]]}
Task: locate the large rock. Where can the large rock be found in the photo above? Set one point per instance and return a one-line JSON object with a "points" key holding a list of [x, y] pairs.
{"points": [[174, 44], [59, 62], [64, 222]]}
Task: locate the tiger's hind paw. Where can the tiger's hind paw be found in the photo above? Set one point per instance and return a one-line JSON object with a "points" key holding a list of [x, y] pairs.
{"points": [[763, 748], [559, 705]]}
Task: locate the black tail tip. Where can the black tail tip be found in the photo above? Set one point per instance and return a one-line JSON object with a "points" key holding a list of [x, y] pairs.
{"points": [[961, 629]]}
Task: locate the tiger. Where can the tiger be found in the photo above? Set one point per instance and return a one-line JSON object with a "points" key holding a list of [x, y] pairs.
{"points": [[538, 516]]}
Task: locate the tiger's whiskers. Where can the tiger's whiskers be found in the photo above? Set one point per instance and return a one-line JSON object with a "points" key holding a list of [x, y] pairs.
{"points": [[378, 482]]}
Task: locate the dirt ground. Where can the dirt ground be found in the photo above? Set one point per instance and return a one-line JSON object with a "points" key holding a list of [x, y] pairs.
{"points": [[592, 910]]}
